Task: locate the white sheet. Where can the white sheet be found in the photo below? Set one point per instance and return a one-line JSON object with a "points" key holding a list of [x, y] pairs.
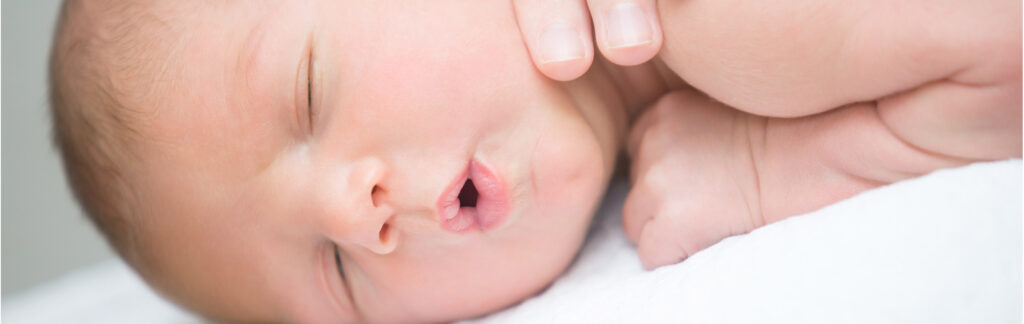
{"points": [[942, 248]]}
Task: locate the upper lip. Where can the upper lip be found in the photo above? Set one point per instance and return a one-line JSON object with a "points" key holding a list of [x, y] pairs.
{"points": [[449, 201], [491, 206]]}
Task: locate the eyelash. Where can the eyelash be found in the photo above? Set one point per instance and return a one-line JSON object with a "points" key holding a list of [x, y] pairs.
{"points": [[337, 263], [309, 92]]}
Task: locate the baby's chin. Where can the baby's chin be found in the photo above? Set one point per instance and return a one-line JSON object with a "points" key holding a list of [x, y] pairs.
{"points": [[507, 286]]}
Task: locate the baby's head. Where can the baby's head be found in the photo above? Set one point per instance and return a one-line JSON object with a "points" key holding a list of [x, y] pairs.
{"points": [[236, 153]]}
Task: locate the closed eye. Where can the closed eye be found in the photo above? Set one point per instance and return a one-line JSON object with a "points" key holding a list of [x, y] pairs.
{"points": [[310, 109], [336, 284], [305, 110], [337, 263]]}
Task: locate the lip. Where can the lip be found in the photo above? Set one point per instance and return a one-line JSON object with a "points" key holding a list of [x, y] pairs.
{"points": [[492, 204]]}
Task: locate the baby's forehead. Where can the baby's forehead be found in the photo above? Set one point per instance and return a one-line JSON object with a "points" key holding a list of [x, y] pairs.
{"points": [[425, 51], [436, 38], [230, 74]]}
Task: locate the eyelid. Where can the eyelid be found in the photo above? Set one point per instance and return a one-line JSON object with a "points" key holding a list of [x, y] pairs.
{"points": [[344, 280], [310, 87], [304, 87], [337, 264], [336, 287]]}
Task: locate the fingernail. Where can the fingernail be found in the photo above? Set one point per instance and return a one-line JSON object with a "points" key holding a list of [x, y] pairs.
{"points": [[627, 26], [561, 42]]}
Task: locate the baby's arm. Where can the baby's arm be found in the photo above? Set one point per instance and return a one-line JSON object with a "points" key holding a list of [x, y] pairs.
{"points": [[938, 70], [702, 171], [882, 90], [882, 93]]}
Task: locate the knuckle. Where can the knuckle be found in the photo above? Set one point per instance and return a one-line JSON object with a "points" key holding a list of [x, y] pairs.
{"points": [[665, 214], [654, 177]]}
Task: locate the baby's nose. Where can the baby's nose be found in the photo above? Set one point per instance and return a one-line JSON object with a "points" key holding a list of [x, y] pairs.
{"points": [[363, 218]]}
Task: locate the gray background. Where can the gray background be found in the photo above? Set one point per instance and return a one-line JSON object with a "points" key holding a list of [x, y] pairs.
{"points": [[43, 232]]}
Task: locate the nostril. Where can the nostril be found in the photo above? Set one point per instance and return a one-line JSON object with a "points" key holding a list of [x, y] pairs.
{"points": [[375, 195], [387, 240], [468, 195], [385, 233]]}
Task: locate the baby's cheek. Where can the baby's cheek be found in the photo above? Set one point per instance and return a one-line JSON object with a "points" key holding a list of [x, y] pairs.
{"points": [[568, 171]]}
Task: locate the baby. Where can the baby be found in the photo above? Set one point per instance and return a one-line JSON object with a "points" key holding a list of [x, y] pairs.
{"points": [[329, 161], [389, 161]]}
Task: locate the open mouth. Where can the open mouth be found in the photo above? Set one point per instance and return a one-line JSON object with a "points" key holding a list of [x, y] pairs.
{"points": [[477, 199], [468, 194]]}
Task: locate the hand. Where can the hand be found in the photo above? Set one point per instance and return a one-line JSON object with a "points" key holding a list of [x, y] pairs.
{"points": [[702, 171], [558, 34], [693, 178]]}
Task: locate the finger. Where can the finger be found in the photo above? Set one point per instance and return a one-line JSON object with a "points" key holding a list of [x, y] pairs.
{"points": [[557, 35], [659, 244], [628, 31], [637, 211]]}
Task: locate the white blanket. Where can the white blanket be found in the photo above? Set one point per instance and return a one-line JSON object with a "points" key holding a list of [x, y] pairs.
{"points": [[944, 248]]}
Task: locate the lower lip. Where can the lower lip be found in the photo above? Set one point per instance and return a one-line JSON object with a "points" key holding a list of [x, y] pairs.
{"points": [[492, 203]]}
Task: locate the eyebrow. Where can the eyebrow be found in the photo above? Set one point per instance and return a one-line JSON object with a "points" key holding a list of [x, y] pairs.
{"points": [[338, 297], [337, 263], [250, 56], [344, 281]]}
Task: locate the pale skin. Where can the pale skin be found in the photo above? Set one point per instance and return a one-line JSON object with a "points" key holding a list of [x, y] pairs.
{"points": [[242, 196], [243, 190], [813, 102]]}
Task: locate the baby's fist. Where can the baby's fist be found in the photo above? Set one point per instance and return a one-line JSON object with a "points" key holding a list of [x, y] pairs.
{"points": [[693, 177]]}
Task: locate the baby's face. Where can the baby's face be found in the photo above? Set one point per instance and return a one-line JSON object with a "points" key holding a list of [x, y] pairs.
{"points": [[245, 192]]}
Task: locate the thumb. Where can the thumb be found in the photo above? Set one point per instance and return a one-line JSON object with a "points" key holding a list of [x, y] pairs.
{"points": [[628, 31], [557, 35]]}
